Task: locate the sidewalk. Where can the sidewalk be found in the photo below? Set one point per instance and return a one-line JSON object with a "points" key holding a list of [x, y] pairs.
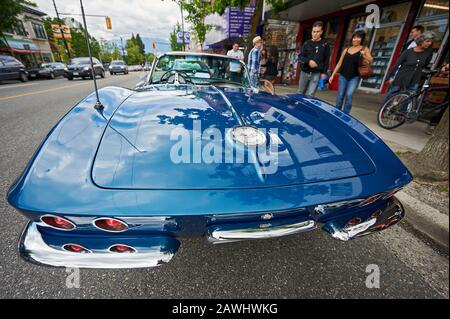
{"points": [[426, 210], [365, 108]]}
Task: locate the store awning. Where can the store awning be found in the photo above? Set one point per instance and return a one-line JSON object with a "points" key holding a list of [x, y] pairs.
{"points": [[18, 45], [301, 10]]}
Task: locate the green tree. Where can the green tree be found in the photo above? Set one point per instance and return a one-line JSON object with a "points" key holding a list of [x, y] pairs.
{"points": [[140, 44], [56, 45], [134, 55], [174, 46], [199, 9], [150, 57], [9, 11], [78, 43]]}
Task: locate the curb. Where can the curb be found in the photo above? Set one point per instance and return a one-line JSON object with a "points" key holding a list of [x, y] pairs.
{"points": [[425, 219]]}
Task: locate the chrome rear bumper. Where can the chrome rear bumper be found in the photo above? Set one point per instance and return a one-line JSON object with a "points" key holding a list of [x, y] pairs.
{"points": [[44, 246], [218, 236], [33, 248]]}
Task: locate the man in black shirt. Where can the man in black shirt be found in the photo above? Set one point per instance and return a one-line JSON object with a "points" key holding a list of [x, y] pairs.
{"points": [[314, 58]]}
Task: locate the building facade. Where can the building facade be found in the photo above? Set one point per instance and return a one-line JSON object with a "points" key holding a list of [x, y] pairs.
{"points": [[386, 41], [28, 41]]}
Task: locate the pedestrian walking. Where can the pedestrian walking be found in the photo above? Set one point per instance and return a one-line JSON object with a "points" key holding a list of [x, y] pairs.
{"points": [[262, 64], [416, 32], [407, 72], [314, 58], [254, 59], [348, 68], [271, 69], [235, 67]]}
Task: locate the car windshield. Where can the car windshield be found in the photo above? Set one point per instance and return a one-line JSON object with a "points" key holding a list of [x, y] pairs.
{"points": [[200, 69], [80, 61], [117, 63]]}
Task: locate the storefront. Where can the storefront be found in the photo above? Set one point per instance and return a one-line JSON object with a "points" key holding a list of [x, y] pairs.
{"points": [[24, 50], [280, 39], [386, 42]]}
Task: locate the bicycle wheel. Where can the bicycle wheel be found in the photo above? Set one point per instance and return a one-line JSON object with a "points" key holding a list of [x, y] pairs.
{"points": [[393, 113]]}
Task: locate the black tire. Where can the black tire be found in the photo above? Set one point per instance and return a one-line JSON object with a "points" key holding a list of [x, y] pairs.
{"points": [[51, 76], [70, 78], [391, 115], [102, 74], [23, 77], [126, 72], [112, 73]]}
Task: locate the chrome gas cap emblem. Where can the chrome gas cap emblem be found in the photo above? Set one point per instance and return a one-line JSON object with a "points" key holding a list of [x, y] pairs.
{"points": [[248, 136]]}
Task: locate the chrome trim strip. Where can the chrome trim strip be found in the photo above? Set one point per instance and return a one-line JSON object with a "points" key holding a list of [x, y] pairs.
{"points": [[222, 236], [33, 249]]}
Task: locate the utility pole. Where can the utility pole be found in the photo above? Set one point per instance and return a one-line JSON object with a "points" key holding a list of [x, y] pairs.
{"points": [[121, 44], [182, 23], [180, 4], [61, 30]]}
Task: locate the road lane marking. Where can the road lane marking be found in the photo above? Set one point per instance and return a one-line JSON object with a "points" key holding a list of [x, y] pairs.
{"points": [[16, 85], [45, 91]]}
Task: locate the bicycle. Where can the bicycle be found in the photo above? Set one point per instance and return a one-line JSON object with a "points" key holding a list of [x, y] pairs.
{"points": [[407, 107]]}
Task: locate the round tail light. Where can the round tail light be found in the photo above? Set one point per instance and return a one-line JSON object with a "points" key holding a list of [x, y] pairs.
{"points": [[57, 222], [122, 249], [110, 224], [76, 248]]}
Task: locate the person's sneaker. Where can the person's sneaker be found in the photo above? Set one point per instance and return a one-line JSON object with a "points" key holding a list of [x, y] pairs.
{"points": [[430, 129]]}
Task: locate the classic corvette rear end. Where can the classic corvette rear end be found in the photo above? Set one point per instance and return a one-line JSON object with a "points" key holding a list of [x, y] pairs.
{"points": [[117, 187]]}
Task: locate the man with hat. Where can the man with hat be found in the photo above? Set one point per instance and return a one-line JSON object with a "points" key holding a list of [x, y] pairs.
{"points": [[254, 58]]}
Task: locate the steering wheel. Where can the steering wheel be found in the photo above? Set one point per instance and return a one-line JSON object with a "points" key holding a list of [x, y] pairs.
{"points": [[177, 76]]}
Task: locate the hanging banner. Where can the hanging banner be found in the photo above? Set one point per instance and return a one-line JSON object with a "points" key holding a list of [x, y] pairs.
{"points": [[56, 29]]}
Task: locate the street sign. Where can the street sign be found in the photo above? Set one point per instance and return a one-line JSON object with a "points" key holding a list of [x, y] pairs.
{"points": [[187, 37], [108, 23]]}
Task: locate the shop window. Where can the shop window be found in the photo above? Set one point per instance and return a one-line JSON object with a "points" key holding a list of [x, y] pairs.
{"points": [[382, 49], [395, 13], [39, 30], [434, 8], [46, 57], [18, 29], [331, 32]]}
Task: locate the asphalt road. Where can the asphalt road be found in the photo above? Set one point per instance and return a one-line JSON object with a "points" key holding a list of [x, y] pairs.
{"points": [[310, 265]]}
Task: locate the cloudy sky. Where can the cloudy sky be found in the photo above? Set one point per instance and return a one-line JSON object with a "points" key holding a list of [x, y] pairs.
{"points": [[152, 19]]}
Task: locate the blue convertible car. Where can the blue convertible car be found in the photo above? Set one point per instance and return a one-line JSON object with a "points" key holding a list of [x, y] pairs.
{"points": [[197, 151]]}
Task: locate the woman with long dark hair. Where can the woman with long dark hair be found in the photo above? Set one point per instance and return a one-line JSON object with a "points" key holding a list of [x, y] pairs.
{"points": [[348, 67]]}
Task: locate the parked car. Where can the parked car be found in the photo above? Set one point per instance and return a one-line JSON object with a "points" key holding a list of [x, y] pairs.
{"points": [[81, 68], [118, 66], [49, 70], [135, 68], [147, 66], [115, 186], [12, 69]]}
